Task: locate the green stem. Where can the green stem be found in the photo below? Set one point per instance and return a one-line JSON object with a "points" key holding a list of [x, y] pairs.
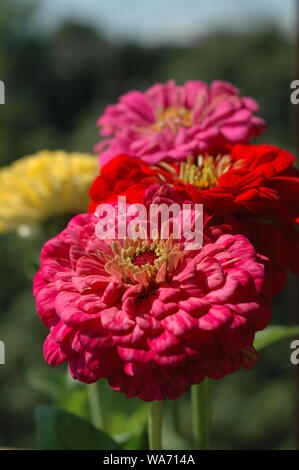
{"points": [[155, 425], [95, 404], [200, 397], [175, 407]]}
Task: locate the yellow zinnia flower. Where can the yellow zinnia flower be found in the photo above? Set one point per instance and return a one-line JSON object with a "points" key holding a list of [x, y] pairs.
{"points": [[47, 184]]}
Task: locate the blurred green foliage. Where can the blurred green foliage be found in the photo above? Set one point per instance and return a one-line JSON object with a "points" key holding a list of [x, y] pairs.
{"points": [[56, 87]]}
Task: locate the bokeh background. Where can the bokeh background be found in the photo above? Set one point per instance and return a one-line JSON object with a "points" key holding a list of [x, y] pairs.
{"points": [[62, 62]]}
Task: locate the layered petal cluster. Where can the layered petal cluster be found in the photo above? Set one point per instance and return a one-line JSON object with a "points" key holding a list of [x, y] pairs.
{"points": [[171, 122], [257, 192], [39, 186], [129, 177], [254, 188], [261, 179], [150, 315]]}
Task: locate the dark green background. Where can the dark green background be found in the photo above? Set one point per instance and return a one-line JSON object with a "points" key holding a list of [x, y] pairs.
{"points": [[56, 87]]}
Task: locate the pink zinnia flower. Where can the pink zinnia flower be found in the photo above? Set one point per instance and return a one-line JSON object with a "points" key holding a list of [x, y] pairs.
{"points": [[171, 122], [149, 315]]}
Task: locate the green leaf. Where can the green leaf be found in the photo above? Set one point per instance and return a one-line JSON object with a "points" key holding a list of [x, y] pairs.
{"points": [[60, 430], [66, 393], [273, 334], [138, 441], [75, 401], [173, 441], [122, 416], [47, 381]]}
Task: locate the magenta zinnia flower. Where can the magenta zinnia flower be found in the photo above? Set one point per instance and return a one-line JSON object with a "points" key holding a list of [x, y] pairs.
{"points": [[171, 122], [149, 315]]}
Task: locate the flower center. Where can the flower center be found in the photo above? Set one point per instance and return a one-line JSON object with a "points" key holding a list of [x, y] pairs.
{"points": [[206, 173], [143, 259], [173, 118], [146, 262]]}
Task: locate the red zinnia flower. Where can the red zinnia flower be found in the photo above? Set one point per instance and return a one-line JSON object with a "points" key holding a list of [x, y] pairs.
{"points": [[171, 122], [127, 176], [150, 315], [256, 189], [253, 187]]}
